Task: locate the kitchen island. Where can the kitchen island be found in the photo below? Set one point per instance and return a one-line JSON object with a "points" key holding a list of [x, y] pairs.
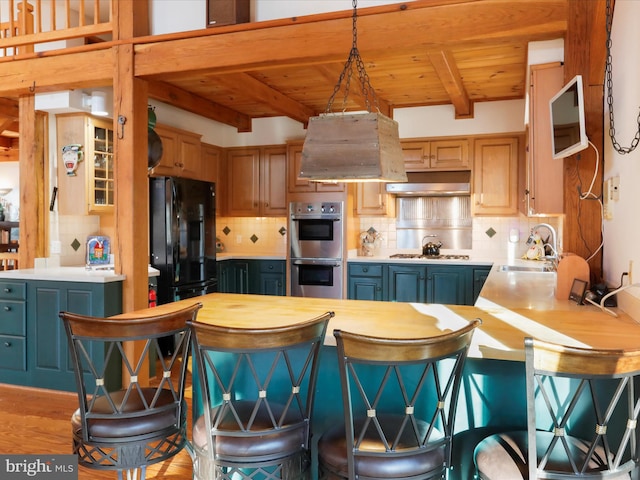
{"points": [[512, 305]]}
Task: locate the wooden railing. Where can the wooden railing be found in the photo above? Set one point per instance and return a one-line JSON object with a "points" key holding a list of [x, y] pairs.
{"points": [[27, 26]]}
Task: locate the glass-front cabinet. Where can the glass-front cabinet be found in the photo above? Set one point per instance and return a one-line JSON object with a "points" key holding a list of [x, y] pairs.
{"points": [[101, 182], [89, 187]]}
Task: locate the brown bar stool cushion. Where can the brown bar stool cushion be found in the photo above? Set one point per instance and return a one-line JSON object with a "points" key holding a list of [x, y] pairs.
{"points": [[117, 427], [503, 456], [333, 449], [282, 442]]}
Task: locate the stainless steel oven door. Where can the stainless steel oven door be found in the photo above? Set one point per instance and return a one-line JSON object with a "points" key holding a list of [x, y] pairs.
{"points": [[316, 229], [316, 278]]}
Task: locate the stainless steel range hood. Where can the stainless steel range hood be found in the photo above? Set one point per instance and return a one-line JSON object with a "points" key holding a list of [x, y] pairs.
{"points": [[428, 184]]}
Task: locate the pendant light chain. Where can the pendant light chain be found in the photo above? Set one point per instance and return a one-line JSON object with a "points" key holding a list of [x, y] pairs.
{"points": [[354, 57], [609, 80]]}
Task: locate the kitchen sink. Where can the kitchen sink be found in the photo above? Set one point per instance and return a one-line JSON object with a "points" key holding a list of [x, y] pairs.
{"points": [[527, 268]]}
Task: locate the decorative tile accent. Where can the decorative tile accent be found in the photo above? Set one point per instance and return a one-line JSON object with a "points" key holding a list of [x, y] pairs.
{"points": [[491, 232], [253, 238], [283, 231], [226, 230], [75, 244], [372, 231]]}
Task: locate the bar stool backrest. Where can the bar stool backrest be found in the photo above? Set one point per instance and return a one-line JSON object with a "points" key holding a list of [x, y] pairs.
{"points": [[257, 385], [580, 392], [400, 396]]}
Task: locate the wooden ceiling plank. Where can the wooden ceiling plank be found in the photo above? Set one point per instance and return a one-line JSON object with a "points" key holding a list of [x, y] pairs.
{"points": [[200, 106], [445, 66], [265, 94], [297, 44]]}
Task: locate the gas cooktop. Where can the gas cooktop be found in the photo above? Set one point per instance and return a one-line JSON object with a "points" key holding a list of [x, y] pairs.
{"points": [[431, 257]]}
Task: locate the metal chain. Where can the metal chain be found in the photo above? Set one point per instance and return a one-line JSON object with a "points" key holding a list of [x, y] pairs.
{"points": [[609, 80], [347, 72]]}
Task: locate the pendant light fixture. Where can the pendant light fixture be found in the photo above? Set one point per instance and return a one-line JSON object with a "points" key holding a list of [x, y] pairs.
{"points": [[356, 147]]}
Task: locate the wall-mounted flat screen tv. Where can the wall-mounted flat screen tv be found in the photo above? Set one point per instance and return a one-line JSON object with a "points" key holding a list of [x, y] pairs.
{"points": [[568, 132]]}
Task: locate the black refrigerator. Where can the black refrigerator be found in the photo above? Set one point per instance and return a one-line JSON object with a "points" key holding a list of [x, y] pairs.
{"points": [[183, 237]]}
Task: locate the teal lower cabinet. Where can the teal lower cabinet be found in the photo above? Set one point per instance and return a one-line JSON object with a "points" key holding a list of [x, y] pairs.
{"points": [[480, 275], [233, 276], [366, 282], [34, 349], [270, 278], [426, 283], [407, 283], [263, 277]]}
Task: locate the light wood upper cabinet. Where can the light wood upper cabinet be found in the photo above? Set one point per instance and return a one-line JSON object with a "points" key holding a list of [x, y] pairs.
{"points": [[211, 159], [256, 181], [544, 175], [91, 188], [495, 175], [295, 184], [181, 153], [372, 199], [445, 154]]}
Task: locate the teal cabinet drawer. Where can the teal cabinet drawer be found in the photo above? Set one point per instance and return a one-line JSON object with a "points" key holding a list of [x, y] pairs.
{"points": [[13, 353], [365, 270], [13, 318], [275, 266], [13, 290]]}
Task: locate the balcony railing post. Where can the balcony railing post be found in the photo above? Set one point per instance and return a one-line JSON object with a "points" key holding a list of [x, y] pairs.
{"points": [[25, 24]]}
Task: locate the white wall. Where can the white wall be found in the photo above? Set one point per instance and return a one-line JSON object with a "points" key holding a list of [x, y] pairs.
{"points": [[622, 232], [10, 178]]}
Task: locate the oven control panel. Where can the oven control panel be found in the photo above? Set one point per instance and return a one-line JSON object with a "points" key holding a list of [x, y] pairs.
{"points": [[311, 208]]}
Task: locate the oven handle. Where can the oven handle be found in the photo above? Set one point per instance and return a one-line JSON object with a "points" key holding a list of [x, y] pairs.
{"points": [[331, 263], [297, 219]]}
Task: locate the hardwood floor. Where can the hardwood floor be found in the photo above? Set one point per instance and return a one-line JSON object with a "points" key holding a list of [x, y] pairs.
{"points": [[35, 421]]}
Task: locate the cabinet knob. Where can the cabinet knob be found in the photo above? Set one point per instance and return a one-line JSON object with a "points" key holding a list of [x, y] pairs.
{"points": [[365, 269], [7, 344], [7, 290], [7, 308], [270, 267]]}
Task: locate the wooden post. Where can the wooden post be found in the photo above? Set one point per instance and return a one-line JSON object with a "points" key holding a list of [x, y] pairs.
{"points": [[131, 181]]}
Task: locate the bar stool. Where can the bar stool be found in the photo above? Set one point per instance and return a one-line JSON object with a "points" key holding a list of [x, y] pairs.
{"points": [[400, 400], [258, 388], [574, 396], [126, 428]]}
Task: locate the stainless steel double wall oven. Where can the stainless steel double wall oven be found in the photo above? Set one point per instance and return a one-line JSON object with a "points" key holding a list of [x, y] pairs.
{"points": [[316, 231]]}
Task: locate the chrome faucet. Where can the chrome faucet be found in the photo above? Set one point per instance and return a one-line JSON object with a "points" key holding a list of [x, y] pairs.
{"points": [[555, 255]]}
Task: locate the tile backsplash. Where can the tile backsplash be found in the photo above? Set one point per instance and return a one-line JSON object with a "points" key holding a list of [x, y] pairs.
{"points": [[260, 235], [73, 231]]}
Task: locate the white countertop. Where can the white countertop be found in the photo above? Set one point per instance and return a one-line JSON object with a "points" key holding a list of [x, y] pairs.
{"points": [[67, 274]]}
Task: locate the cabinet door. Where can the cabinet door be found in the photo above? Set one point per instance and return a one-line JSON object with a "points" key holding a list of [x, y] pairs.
{"points": [[101, 167], [372, 199], [50, 364], [189, 156], [447, 284], [495, 173], [295, 184], [273, 178], [243, 182], [449, 154], [480, 275], [211, 157], [270, 276], [416, 156], [169, 139], [407, 284], [365, 282], [545, 184]]}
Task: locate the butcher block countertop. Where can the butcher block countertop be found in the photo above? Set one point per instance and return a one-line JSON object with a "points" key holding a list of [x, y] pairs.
{"points": [[511, 307]]}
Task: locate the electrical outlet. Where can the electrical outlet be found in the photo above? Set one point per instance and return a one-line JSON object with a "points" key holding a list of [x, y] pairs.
{"points": [[615, 189], [56, 247], [630, 272], [238, 238]]}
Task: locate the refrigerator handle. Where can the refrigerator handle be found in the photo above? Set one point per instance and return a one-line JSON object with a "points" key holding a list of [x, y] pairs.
{"points": [[175, 231]]}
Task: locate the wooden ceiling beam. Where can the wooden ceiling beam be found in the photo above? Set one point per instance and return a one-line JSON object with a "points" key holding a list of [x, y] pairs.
{"points": [[200, 106], [445, 67], [9, 109], [420, 24], [265, 94]]}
